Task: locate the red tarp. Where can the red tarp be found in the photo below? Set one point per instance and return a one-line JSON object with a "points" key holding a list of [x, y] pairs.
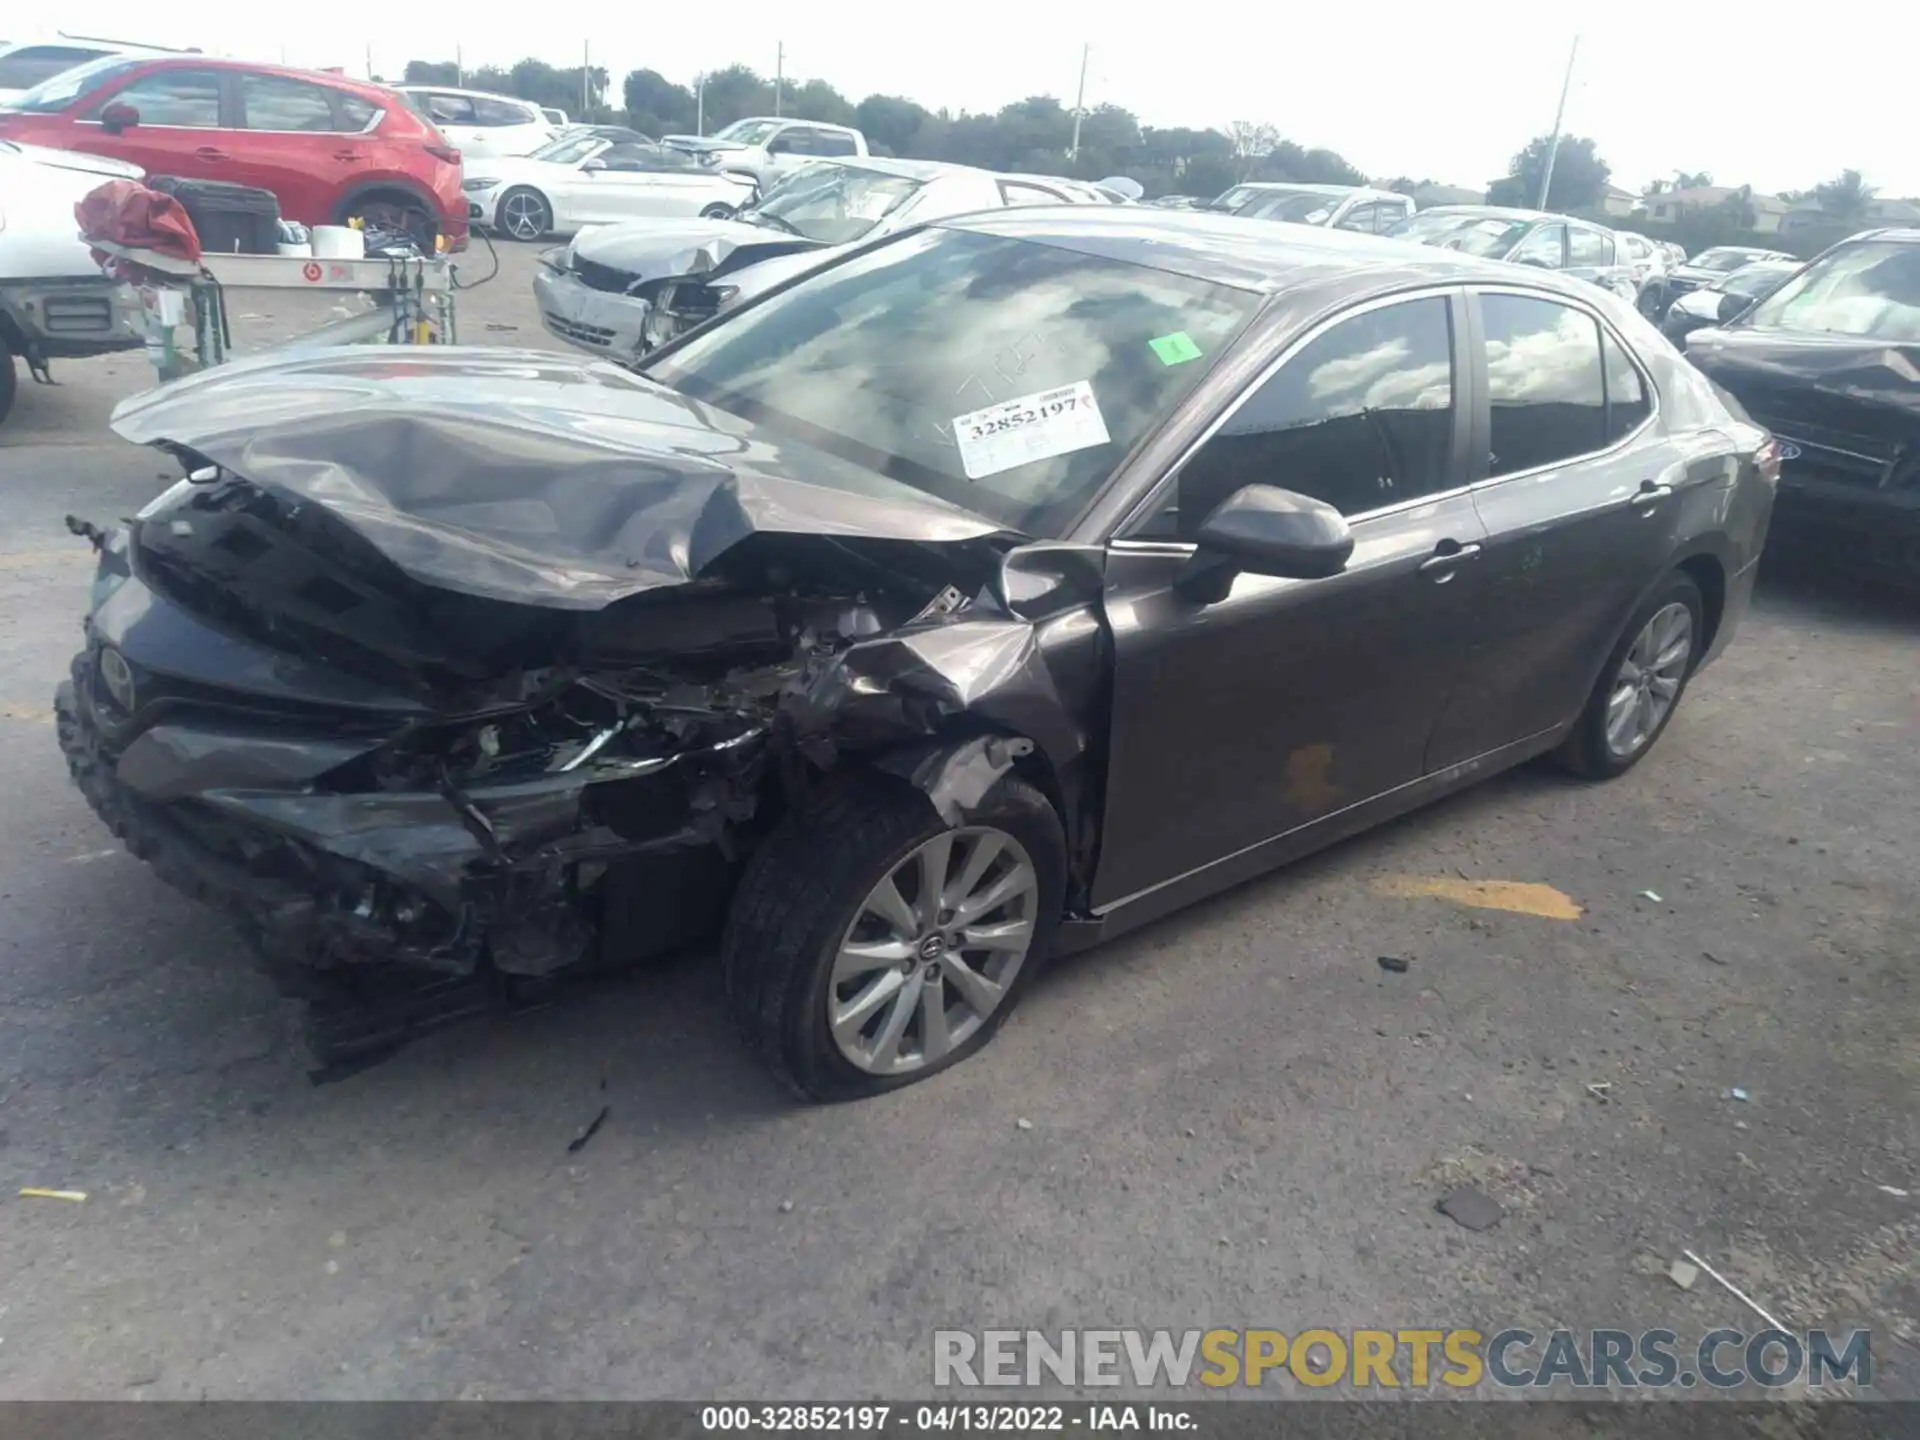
{"points": [[125, 212]]}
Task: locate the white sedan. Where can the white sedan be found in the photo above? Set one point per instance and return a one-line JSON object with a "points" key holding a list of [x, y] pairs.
{"points": [[595, 175]]}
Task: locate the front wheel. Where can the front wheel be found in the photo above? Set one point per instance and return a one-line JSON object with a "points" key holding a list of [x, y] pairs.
{"points": [[1640, 687], [525, 214], [871, 945], [718, 211]]}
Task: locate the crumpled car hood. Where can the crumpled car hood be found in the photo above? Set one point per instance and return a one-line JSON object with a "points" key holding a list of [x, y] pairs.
{"points": [[528, 476], [762, 275], [656, 249], [1879, 373]]}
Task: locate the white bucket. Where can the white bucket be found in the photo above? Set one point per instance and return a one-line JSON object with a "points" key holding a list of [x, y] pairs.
{"points": [[338, 242], [299, 252]]}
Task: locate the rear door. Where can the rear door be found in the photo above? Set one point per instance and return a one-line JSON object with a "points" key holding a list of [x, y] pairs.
{"points": [[302, 141], [1255, 716], [179, 129], [1581, 510]]}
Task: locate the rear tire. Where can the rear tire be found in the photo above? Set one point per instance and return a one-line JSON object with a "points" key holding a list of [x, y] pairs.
{"points": [[717, 211], [806, 895], [389, 210], [1617, 729]]}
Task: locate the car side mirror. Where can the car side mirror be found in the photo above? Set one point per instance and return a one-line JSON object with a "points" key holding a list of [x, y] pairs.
{"points": [[780, 145], [1732, 307], [1264, 530], [593, 167], [118, 116]]}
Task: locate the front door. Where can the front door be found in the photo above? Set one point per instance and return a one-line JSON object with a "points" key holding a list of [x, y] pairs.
{"points": [[1290, 700], [1579, 523], [179, 129]]}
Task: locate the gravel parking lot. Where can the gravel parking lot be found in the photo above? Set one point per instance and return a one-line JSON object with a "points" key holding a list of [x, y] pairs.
{"points": [[1236, 1117]]}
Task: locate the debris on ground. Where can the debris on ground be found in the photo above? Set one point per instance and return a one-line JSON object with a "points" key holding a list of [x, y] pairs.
{"points": [[1394, 964], [1683, 1274], [1651, 895], [786, 1207], [579, 1142], [1736, 1093], [1732, 1289], [1711, 958], [1024, 1123], [1894, 1190], [33, 1192], [1472, 1208], [500, 325], [1601, 1091]]}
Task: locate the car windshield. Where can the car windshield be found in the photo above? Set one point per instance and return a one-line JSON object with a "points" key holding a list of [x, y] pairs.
{"points": [[748, 132], [1005, 376], [1304, 206], [1236, 197], [834, 204], [1488, 236], [568, 149], [1870, 290], [1750, 281], [63, 89], [1723, 259]]}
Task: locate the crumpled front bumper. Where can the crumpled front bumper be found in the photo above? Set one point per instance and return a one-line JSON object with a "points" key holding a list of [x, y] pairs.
{"points": [[593, 320]]}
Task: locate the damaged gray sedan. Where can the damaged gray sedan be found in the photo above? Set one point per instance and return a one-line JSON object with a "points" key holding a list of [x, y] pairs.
{"points": [[996, 588], [623, 290]]}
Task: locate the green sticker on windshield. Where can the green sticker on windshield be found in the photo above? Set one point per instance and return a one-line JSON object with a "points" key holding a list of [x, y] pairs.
{"points": [[1175, 349]]}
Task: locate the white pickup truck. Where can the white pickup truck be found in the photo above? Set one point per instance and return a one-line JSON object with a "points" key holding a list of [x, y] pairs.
{"points": [[768, 147], [54, 302]]}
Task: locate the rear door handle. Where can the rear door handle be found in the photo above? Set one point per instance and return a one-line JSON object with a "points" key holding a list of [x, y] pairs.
{"points": [[208, 152], [1447, 557], [1650, 495], [346, 154]]}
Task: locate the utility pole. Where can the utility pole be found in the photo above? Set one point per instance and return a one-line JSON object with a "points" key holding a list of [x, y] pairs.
{"points": [[459, 67], [700, 103], [779, 73], [586, 77], [1553, 145], [369, 60], [1079, 103]]}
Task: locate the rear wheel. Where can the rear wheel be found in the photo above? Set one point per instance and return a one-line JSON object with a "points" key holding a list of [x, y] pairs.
{"points": [[871, 945], [9, 380], [397, 213], [1640, 687], [525, 214], [717, 211]]}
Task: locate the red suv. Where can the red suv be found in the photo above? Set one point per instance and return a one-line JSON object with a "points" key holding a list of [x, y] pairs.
{"points": [[330, 148]]}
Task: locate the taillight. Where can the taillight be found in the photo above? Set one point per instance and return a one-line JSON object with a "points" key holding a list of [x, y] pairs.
{"points": [[1767, 460], [444, 152]]}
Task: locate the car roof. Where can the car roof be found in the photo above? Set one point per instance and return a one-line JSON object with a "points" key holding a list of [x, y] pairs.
{"points": [[886, 165], [1266, 258], [1303, 187], [469, 94], [788, 120], [189, 60]]}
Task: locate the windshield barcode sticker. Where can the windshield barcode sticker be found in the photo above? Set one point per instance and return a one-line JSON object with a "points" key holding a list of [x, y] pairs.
{"points": [[1033, 427]]}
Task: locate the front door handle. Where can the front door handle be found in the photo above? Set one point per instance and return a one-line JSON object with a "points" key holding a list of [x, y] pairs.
{"points": [[1650, 495], [1447, 557], [346, 154], [208, 152]]}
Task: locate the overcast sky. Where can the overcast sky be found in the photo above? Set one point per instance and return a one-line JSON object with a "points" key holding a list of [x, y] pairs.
{"points": [[1772, 98]]}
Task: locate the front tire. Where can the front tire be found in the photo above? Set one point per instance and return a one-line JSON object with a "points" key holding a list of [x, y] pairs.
{"points": [[524, 214], [870, 945], [1641, 685], [718, 211]]}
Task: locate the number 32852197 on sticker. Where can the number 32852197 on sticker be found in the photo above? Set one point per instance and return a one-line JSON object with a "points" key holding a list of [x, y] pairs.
{"points": [[1028, 428]]}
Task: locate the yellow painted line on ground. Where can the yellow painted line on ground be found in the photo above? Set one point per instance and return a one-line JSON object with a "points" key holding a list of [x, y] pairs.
{"points": [[1519, 897], [28, 714]]}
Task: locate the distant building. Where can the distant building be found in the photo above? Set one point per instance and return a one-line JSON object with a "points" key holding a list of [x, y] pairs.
{"points": [[1807, 215], [1769, 211], [1620, 203]]}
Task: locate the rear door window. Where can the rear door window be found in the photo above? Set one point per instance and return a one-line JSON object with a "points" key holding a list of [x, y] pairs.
{"points": [[1588, 247], [1545, 385], [498, 114], [1545, 246], [274, 102]]}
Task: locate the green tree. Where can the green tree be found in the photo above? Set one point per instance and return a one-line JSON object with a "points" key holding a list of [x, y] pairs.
{"points": [[735, 93], [1691, 179], [817, 100], [1845, 197], [431, 72], [655, 105], [1580, 176], [891, 123]]}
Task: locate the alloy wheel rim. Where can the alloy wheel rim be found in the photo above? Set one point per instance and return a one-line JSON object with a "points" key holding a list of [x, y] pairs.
{"points": [[526, 217], [933, 950], [1649, 680]]}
